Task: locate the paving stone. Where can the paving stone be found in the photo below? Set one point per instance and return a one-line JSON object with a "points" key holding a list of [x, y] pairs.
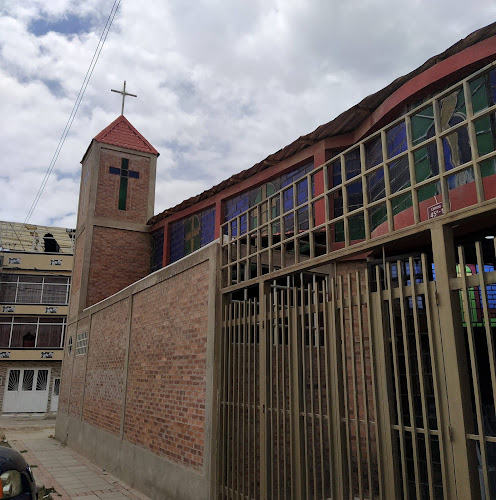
{"points": [[70, 474]]}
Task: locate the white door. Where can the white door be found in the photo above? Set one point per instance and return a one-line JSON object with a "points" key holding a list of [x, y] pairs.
{"points": [[26, 391], [55, 394]]}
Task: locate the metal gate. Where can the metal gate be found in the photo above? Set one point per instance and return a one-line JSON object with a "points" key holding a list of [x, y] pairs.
{"points": [[26, 390], [338, 385]]}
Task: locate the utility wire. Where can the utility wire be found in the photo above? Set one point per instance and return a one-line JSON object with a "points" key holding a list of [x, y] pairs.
{"points": [[75, 108]]}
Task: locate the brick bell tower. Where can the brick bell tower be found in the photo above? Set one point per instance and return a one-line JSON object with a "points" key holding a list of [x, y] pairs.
{"points": [[116, 199]]}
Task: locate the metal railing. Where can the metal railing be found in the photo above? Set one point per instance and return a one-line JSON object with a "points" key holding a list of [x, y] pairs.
{"points": [[437, 159]]}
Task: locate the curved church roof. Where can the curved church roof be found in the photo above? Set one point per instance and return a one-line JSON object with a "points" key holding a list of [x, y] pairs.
{"points": [[351, 120]]}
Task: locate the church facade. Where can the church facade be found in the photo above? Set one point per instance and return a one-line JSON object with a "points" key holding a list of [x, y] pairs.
{"points": [[320, 325]]}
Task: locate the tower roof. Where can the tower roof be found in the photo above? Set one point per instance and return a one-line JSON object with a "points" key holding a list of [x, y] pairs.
{"points": [[122, 133]]}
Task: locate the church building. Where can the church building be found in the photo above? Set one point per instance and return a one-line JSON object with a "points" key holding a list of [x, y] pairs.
{"points": [[319, 325]]}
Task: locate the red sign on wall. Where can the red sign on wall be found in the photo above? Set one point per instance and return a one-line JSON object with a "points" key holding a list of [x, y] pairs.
{"points": [[435, 210]]}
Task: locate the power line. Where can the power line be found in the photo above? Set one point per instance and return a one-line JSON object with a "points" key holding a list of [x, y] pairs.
{"points": [[75, 108]]}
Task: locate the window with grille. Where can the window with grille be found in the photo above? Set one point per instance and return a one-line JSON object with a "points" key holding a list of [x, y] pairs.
{"points": [[32, 332], [13, 384], [25, 289], [81, 343]]}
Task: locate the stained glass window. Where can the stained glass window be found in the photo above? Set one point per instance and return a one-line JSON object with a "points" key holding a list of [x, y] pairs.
{"points": [[483, 90], [423, 125], [352, 163], [157, 249], [240, 203], [396, 139], [191, 233], [373, 152]]}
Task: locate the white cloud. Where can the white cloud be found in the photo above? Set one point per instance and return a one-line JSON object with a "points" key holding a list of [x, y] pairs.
{"points": [[220, 84]]}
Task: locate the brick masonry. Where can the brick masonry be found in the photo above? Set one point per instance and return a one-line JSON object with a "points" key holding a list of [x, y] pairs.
{"points": [[165, 409], [118, 258], [105, 371], [107, 197], [165, 406]]}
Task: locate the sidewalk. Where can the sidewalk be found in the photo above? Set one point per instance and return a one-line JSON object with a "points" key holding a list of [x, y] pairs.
{"points": [[58, 467]]}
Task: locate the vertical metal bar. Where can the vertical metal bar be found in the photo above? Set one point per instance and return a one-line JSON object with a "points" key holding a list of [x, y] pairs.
{"points": [[399, 411], [228, 399], [406, 353], [249, 402], [365, 394], [224, 432], [291, 369], [296, 395], [256, 394], [263, 368], [241, 306], [278, 406], [475, 373], [420, 361], [345, 386], [233, 398], [330, 355], [303, 385], [372, 349], [310, 368], [487, 318], [271, 437], [281, 318], [246, 312], [354, 382], [462, 475], [385, 399], [436, 364], [319, 381]]}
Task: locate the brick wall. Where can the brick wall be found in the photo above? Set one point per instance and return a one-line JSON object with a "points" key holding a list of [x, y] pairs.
{"points": [[105, 372], [167, 369], [107, 197], [118, 258], [165, 408]]}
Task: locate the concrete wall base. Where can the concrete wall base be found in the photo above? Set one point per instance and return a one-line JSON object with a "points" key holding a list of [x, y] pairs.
{"points": [[138, 467]]}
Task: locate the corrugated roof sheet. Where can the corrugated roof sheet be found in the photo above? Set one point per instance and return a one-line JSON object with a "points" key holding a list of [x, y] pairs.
{"points": [[18, 237], [346, 122]]}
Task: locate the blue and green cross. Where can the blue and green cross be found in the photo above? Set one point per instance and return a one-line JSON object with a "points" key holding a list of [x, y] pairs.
{"points": [[124, 173]]}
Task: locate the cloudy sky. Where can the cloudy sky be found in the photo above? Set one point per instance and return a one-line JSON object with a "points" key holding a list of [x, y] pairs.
{"points": [[221, 83]]}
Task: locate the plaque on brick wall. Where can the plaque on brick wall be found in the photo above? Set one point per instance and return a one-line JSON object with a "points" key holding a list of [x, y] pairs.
{"points": [[435, 210], [8, 309], [4, 355], [14, 260], [46, 355], [51, 310], [55, 262]]}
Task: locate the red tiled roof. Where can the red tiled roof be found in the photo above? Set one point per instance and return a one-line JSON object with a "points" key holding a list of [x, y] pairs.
{"points": [[121, 133]]}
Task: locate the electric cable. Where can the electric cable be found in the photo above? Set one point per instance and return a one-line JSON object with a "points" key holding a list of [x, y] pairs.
{"points": [[89, 72]]}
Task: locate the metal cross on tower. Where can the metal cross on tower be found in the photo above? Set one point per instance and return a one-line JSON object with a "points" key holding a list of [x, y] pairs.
{"points": [[124, 94]]}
